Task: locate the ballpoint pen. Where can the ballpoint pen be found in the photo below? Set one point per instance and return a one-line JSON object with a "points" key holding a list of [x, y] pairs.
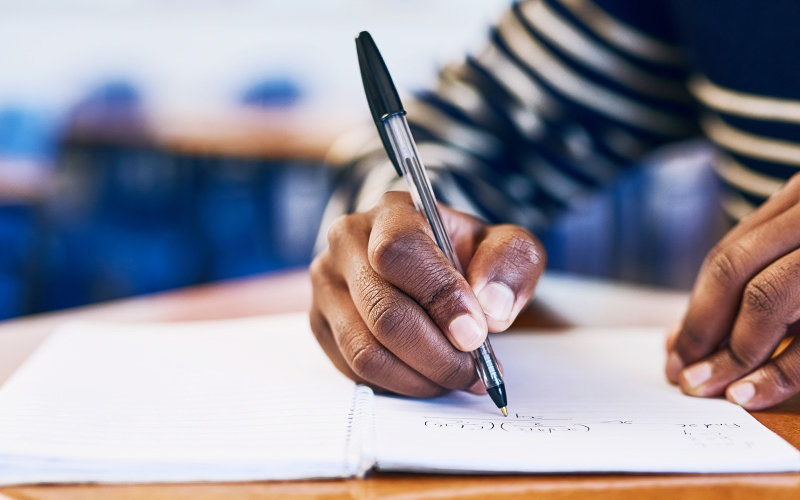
{"points": [[389, 116]]}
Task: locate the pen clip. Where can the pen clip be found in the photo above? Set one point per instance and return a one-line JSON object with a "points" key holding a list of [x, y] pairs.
{"points": [[387, 146]]}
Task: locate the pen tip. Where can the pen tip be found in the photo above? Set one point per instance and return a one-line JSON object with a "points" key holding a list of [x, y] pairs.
{"points": [[505, 412]]}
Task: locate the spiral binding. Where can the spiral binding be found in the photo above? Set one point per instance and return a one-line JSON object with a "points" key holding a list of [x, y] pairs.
{"points": [[360, 452]]}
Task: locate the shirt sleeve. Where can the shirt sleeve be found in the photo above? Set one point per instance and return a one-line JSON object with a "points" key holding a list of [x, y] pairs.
{"points": [[746, 78], [563, 97]]}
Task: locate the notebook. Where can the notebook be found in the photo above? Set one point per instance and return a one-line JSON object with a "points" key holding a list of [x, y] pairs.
{"points": [[256, 399]]}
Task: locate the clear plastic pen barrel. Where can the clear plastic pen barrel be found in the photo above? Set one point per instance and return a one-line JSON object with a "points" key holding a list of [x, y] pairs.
{"points": [[422, 193]]}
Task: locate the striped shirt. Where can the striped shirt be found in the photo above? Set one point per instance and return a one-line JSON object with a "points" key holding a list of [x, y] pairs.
{"points": [[565, 95]]}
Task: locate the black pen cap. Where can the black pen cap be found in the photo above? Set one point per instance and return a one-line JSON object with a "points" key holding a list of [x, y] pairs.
{"points": [[379, 88]]}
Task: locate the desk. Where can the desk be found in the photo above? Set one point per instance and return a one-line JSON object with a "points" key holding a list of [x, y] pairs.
{"points": [[240, 132], [562, 300]]}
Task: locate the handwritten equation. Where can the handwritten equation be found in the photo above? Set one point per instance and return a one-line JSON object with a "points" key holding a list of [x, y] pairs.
{"points": [[700, 434], [468, 424]]}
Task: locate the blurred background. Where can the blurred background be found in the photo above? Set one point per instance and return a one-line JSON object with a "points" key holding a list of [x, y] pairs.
{"points": [[147, 145]]}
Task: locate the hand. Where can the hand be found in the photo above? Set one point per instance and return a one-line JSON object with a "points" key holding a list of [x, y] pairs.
{"points": [[389, 309], [744, 303]]}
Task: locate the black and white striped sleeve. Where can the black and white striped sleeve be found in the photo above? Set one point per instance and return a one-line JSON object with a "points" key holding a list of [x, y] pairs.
{"points": [[564, 95]]}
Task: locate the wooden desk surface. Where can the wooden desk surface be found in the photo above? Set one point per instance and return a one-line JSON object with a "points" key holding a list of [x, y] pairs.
{"points": [[563, 300], [243, 132]]}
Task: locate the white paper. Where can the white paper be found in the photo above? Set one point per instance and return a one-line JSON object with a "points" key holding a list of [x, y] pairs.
{"points": [[224, 400], [579, 401], [257, 399]]}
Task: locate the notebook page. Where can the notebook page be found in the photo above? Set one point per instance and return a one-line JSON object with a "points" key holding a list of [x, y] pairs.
{"points": [[580, 401], [223, 400]]}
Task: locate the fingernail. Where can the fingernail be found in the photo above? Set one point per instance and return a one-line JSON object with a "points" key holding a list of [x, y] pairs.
{"points": [[697, 375], [742, 392], [497, 300], [466, 332], [674, 366]]}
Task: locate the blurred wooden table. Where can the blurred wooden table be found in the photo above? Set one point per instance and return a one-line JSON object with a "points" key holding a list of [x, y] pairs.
{"points": [[291, 133], [562, 300]]}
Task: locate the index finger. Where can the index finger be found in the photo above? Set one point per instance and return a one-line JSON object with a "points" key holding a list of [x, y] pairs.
{"points": [[402, 251]]}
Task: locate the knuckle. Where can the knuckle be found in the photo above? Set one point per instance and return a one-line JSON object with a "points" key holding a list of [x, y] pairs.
{"points": [[368, 360], [762, 296], [726, 264], [384, 312], [393, 197], [342, 229], [522, 257], [394, 251], [387, 317], [336, 229], [523, 248], [321, 272], [443, 291], [317, 267]]}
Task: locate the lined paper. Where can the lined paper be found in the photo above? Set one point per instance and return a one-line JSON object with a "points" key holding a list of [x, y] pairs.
{"points": [[223, 400], [256, 399], [579, 401]]}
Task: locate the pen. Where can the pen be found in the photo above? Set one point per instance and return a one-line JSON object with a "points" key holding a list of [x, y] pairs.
{"points": [[389, 116]]}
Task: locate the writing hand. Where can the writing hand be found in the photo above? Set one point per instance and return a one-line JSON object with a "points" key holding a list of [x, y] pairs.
{"points": [[389, 309], [745, 301]]}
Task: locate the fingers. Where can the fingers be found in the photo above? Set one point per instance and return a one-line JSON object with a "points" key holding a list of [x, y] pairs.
{"points": [[369, 360], [775, 382], [720, 286], [403, 252], [770, 302], [400, 324], [323, 282], [395, 322], [743, 305], [348, 342], [324, 336], [391, 311], [503, 272]]}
